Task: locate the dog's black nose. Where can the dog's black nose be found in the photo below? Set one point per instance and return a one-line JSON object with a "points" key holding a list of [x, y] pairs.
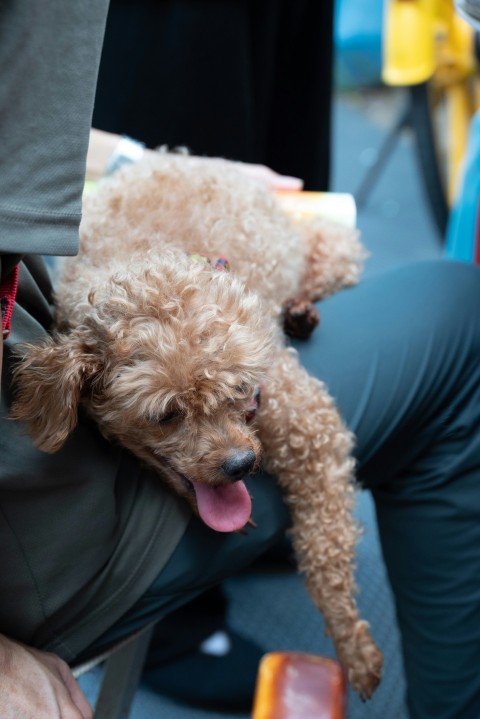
{"points": [[239, 464]]}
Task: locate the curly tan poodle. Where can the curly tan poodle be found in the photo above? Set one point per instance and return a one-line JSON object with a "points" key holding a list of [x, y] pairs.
{"points": [[166, 353]]}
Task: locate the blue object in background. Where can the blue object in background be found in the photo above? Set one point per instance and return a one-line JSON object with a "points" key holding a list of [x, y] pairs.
{"points": [[461, 237], [358, 43]]}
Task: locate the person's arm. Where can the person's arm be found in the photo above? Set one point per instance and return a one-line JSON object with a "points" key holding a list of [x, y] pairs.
{"points": [[101, 147], [40, 685]]}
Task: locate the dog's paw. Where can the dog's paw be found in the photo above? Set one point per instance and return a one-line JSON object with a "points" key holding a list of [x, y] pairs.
{"points": [[365, 663], [300, 317]]}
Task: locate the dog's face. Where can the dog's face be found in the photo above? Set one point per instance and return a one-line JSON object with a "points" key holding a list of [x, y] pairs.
{"points": [[167, 361]]}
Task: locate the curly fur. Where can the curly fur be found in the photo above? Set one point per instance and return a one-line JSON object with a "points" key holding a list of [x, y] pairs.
{"points": [[165, 354]]}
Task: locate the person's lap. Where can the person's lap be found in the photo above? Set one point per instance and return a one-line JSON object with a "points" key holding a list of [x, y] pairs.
{"points": [[405, 371], [398, 354]]}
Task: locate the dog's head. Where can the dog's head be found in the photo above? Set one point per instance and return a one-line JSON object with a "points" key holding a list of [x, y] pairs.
{"points": [[166, 358]]}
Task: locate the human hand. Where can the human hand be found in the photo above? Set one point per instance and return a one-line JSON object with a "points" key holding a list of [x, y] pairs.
{"points": [[272, 179], [38, 685], [269, 177]]}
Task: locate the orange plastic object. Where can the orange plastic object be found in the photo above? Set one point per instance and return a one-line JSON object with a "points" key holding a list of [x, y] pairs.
{"points": [[292, 685]]}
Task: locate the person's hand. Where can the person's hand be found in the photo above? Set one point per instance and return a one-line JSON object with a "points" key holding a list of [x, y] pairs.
{"points": [[271, 178], [264, 174], [38, 685]]}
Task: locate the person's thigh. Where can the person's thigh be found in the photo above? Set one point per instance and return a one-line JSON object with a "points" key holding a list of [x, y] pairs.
{"points": [[401, 355], [392, 351]]}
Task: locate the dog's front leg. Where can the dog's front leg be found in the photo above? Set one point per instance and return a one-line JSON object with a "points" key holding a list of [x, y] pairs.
{"points": [[309, 449]]}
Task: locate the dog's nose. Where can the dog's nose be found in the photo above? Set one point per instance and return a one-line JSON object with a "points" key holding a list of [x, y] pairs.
{"points": [[239, 464]]}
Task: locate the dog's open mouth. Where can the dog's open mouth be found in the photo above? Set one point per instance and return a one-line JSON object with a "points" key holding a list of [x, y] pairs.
{"points": [[224, 508]]}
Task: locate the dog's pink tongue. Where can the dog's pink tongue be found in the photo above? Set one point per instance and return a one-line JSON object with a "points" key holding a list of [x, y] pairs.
{"points": [[226, 508]]}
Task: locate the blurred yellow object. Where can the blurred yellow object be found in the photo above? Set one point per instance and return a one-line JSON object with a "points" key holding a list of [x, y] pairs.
{"points": [[337, 206], [426, 43], [408, 42], [294, 685], [425, 39]]}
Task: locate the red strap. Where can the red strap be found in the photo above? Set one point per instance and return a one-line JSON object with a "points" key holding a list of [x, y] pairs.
{"points": [[8, 293]]}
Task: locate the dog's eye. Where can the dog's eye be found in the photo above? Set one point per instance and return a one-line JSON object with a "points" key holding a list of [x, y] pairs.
{"points": [[169, 417]]}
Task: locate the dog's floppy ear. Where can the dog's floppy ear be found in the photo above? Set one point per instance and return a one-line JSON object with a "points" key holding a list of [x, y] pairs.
{"points": [[48, 383]]}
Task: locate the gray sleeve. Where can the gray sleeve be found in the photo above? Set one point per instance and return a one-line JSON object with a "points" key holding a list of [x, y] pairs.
{"points": [[49, 57]]}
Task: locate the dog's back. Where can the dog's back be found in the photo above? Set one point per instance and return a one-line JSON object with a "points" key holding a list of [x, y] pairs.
{"points": [[201, 207]]}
